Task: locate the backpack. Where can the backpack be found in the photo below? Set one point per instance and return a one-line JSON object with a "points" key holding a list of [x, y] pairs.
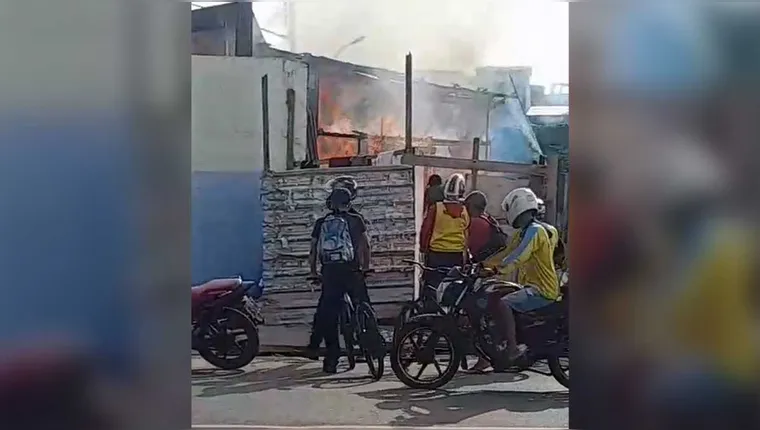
{"points": [[335, 245], [497, 242]]}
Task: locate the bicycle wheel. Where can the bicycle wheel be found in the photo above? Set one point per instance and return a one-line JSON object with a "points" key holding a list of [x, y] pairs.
{"points": [[371, 341], [347, 328]]}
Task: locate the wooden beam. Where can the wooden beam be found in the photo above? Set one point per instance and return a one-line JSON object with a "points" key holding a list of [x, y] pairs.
{"points": [[465, 164], [290, 102], [475, 157], [265, 121], [552, 183], [408, 104]]}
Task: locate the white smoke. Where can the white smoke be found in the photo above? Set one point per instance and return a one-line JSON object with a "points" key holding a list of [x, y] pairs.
{"points": [[451, 35]]}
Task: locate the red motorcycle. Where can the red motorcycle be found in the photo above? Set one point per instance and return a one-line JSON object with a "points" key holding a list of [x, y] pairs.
{"points": [[225, 319]]}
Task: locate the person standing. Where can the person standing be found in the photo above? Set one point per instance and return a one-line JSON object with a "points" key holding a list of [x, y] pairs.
{"points": [[340, 244], [443, 236]]}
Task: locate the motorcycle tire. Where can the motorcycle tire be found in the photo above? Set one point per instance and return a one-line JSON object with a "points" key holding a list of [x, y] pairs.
{"points": [[251, 349], [408, 310], [449, 334], [557, 372]]}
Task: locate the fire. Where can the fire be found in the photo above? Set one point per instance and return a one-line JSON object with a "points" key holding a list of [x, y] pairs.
{"points": [[343, 108]]}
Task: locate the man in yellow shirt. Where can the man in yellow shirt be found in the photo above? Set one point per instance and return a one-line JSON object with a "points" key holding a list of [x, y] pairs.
{"points": [[443, 235], [531, 250]]}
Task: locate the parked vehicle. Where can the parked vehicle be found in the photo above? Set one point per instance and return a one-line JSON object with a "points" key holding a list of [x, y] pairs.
{"points": [[463, 322], [225, 319], [426, 303]]}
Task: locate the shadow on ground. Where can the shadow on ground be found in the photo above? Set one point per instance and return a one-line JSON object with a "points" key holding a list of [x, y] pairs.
{"points": [[443, 407]]}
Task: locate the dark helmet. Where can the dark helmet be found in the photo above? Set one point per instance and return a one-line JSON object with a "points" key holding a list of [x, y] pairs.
{"points": [[339, 200], [347, 182], [476, 200]]}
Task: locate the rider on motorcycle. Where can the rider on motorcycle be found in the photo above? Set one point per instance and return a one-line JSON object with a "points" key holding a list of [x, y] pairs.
{"points": [[531, 249]]}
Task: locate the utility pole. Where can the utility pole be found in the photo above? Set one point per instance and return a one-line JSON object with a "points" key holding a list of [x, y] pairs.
{"points": [[290, 22]]}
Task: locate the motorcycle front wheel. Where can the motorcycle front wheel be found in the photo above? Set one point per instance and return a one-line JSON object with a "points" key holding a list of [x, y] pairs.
{"points": [[419, 344], [231, 342]]}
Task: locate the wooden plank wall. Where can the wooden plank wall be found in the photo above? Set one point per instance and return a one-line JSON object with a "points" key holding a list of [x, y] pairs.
{"points": [[292, 202]]}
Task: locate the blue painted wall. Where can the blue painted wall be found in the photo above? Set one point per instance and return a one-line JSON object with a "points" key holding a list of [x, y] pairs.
{"points": [[226, 225]]}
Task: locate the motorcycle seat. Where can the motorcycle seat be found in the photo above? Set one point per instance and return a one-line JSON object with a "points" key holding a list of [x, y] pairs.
{"points": [[217, 286]]}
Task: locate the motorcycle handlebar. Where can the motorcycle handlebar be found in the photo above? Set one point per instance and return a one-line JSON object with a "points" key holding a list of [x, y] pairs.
{"points": [[443, 270]]}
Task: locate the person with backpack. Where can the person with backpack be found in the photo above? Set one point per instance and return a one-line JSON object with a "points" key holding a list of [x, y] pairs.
{"points": [[340, 245], [443, 235]]}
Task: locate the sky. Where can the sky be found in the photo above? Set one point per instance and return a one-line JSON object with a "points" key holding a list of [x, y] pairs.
{"points": [[442, 34]]}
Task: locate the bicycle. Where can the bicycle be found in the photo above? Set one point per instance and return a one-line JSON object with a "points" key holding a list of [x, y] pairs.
{"points": [[358, 326]]}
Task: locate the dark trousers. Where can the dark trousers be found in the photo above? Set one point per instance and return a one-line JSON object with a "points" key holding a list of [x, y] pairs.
{"points": [[335, 283], [440, 260]]}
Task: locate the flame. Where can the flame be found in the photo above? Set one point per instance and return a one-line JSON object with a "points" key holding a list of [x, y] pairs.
{"points": [[337, 96]]}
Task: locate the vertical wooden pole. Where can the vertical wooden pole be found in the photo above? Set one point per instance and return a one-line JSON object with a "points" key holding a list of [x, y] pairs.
{"points": [[265, 120], [475, 157], [290, 102], [408, 110], [552, 183]]}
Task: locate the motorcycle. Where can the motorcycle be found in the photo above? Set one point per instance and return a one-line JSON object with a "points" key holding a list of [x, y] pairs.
{"points": [[225, 319], [463, 321]]}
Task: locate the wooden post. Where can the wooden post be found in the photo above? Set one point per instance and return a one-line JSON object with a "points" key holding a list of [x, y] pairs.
{"points": [[552, 183], [290, 102], [475, 157], [265, 120], [408, 111]]}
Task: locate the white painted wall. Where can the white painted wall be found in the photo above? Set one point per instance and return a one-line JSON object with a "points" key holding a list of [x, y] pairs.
{"points": [[227, 118]]}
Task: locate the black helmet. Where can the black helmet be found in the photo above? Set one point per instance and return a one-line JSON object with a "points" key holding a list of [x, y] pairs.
{"points": [[339, 200], [347, 182], [476, 200]]}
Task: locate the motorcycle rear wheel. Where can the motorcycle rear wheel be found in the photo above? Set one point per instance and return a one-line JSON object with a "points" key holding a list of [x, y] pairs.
{"points": [[558, 372], [228, 320]]}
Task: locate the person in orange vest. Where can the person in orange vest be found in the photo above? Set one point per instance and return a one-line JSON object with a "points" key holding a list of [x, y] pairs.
{"points": [[443, 236]]}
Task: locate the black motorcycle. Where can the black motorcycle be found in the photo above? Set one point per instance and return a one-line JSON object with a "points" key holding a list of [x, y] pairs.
{"points": [[463, 321]]}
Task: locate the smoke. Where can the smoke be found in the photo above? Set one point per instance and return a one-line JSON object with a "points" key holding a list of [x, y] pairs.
{"points": [[442, 34]]}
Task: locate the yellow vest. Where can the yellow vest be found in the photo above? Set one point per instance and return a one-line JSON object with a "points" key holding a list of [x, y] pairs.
{"points": [[449, 233]]}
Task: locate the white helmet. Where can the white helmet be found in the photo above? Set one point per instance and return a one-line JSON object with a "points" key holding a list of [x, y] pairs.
{"points": [[517, 202], [541, 207], [454, 188]]}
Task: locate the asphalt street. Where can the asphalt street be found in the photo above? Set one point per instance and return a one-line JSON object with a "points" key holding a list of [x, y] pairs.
{"points": [[284, 392]]}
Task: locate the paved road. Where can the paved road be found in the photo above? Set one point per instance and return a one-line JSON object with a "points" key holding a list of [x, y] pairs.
{"points": [[279, 391]]}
